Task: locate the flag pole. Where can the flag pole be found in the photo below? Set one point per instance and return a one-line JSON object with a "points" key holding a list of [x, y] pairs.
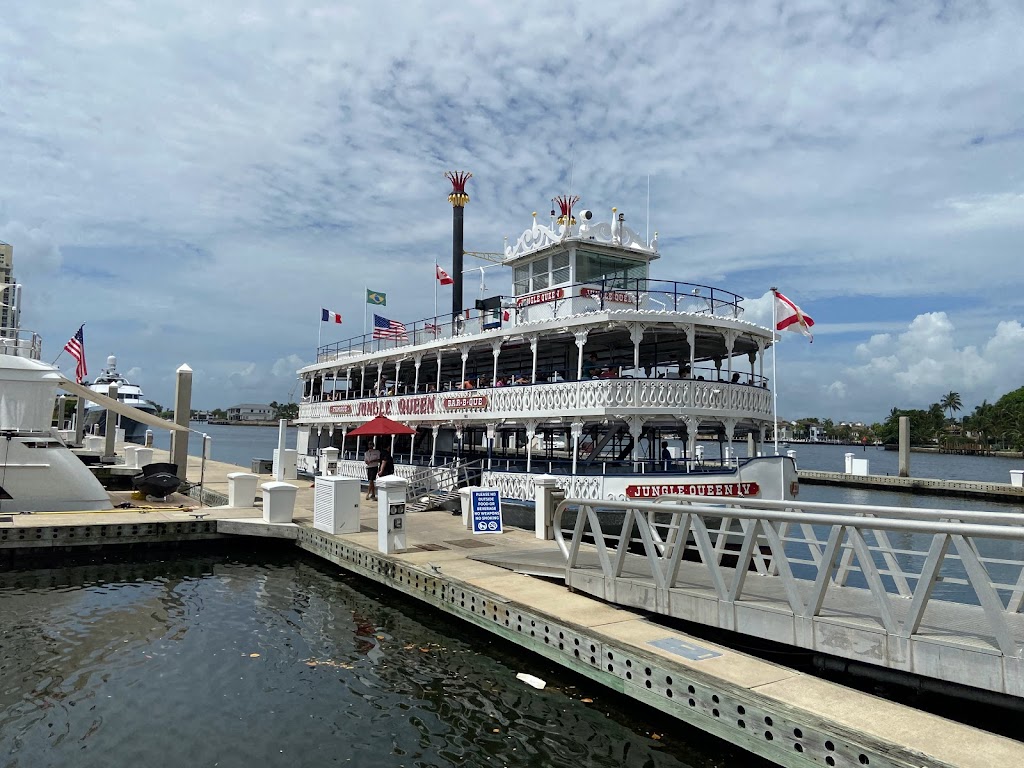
{"points": [[435, 289], [365, 291], [319, 332], [775, 379]]}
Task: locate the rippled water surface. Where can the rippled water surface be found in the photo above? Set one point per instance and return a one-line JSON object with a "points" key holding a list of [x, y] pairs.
{"points": [[266, 660]]}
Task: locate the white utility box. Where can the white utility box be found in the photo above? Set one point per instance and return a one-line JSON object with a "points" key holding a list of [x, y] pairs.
{"points": [[291, 461], [336, 504]]}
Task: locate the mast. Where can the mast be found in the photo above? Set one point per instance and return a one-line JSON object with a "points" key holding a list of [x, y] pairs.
{"points": [[458, 198]]}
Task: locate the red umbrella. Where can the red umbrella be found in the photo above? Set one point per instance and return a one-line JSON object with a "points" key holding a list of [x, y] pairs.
{"points": [[381, 425]]}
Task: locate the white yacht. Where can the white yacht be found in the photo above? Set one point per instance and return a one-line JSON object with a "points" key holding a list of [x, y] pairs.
{"points": [[619, 384], [127, 393], [37, 471]]}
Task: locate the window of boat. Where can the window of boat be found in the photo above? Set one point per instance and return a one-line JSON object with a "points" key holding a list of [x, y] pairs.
{"points": [[593, 267], [540, 274], [559, 268], [521, 279]]}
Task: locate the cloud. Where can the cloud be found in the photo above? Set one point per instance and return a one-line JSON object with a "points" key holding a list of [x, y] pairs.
{"points": [[915, 368]]}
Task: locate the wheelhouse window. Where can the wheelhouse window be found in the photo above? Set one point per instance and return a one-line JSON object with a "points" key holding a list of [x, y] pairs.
{"points": [[622, 273], [521, 279], [539, 269], [560, 269]]}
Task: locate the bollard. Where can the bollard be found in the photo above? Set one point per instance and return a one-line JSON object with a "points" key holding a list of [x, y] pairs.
{"points": [[548, 496], [149, 438], [849, 463], [143, 456], [131, 460], [93, 443], [1017, 478], [278, 502], [242, 489], [391, 514]]}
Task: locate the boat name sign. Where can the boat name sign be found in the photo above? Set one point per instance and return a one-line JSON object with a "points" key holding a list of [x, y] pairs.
{"points": [[413, 406], [616, 297], [340, 409], [541, 297], [693, 489]]}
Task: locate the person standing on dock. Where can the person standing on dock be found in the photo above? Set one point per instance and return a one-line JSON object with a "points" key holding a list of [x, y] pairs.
{"points": [[387, 463], [372, 460]]}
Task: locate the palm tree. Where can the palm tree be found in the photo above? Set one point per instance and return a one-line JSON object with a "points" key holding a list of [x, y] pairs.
{"points": [[951, 402]]}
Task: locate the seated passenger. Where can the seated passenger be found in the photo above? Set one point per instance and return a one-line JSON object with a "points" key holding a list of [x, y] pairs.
{"points": [[735, 378], [521, 380]]}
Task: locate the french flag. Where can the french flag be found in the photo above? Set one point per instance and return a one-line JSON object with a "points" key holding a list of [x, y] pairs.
{"points": [[326, 316]]}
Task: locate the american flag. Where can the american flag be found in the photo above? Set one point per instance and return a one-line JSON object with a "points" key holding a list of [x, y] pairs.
{"points": [[389, 329], [76, 348], [432, 328]]}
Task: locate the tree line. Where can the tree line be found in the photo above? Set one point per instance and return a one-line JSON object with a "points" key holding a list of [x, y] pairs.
{"points": [[991, 426]]}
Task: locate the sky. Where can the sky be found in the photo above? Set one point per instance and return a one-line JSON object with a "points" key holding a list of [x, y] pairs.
{"points": [[195, 180]]}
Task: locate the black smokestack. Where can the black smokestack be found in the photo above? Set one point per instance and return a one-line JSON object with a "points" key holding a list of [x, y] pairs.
{"points": [[458, 198]]}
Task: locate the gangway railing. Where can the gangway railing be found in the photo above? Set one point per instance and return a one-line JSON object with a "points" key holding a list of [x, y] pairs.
{"points": [[443, 478], [912, 563]]}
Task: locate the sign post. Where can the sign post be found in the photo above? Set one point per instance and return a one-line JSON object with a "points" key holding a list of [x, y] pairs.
{"points": [[486, 512]]}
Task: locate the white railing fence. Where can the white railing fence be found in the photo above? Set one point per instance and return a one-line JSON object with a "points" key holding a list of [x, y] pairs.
{"points": [[910, 560]]}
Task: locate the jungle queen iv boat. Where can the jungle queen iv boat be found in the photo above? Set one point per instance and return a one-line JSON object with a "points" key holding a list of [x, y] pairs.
{"points": [[590, 370]]}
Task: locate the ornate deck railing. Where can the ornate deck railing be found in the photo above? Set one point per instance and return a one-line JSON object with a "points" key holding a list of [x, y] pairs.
{"points": [[555, 303], [593, 398]]}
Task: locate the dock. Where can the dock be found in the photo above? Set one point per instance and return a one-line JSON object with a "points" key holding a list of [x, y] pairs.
{"points": [[784, 715], [967, 489]]}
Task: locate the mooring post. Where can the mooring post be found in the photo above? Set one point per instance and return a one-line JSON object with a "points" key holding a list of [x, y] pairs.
{"points": [[111, 424], [904, 446], [182, 404]]}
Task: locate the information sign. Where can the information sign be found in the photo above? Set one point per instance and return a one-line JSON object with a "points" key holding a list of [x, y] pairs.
{"points": [[486, 512]]}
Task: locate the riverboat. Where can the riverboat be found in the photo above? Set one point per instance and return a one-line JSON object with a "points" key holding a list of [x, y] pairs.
{"points": [[590, 370]]}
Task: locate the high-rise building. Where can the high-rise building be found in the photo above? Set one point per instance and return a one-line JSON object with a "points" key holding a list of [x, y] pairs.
{"points": [[6, 276]]}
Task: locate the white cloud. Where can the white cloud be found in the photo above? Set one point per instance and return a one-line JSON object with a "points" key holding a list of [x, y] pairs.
{"points": [[917, 367]]}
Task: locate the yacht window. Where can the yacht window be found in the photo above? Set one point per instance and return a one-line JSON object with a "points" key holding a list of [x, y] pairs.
{"points": [[521, 279]]}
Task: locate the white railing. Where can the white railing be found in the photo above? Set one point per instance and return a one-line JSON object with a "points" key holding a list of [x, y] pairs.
{"points": [[21, 343], [911, 561], [596, 397]]}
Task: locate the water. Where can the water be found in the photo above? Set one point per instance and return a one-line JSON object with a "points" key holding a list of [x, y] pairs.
{"points": [[233, 445], [276, 660]]}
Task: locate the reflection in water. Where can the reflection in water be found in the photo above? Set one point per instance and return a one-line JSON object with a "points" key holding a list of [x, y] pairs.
{"points": [[216, 661]]}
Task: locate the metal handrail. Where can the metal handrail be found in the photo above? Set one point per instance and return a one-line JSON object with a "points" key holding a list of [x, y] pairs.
{"points": [[837, 540]]}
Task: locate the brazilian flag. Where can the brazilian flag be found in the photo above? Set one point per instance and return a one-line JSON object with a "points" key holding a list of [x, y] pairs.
{"points": [[376, 298]]}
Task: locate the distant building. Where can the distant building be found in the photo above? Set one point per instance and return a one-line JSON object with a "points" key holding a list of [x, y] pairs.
{"points": [[250, 412], [815, 433], [6, 277]]}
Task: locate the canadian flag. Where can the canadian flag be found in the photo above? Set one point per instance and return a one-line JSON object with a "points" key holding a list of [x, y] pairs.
{"points": [[443, 277], [789, 317]]}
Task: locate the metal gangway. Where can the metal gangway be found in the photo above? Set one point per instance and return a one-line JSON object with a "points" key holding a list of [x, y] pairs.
{"points": [[927, 591]]}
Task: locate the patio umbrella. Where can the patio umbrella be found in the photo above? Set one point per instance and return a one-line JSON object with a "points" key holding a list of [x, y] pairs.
{"points": [[381, 425]]}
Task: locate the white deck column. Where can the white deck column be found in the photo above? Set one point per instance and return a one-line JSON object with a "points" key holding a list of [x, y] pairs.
{"points": [[495, 351], [433, 443], [760, 356], [533, 367], [531, 432], [577, 431], [636, 427], [491, 431], [398, 368], [730, 345], [380, 371], [636, 335], [465, 357], [581, 340], [412, 441], [437, 386], [362, 381], [417, 361], [691, 340], [752, 357], [730, 428], [692, 427]]}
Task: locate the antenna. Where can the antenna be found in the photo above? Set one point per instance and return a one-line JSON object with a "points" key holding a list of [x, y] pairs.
{"points": [[648, 209]]}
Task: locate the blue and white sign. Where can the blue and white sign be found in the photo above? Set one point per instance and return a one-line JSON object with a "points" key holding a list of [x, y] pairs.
{"points": [[486, 512]]}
